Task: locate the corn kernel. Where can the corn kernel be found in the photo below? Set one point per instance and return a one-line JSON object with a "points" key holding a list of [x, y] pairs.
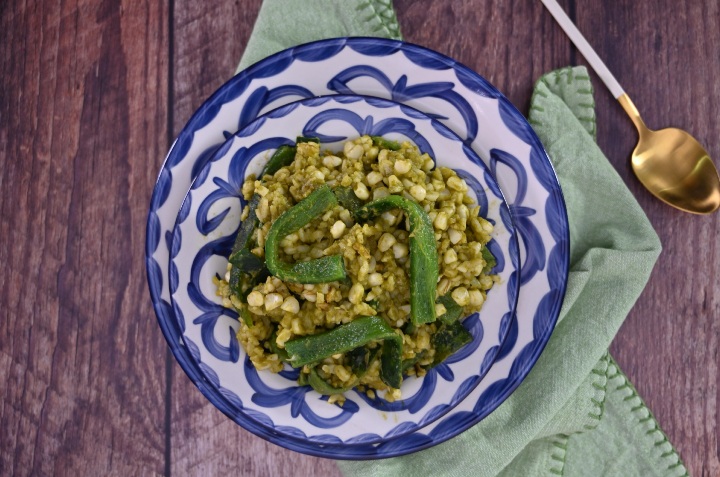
{"points": [[386, 241], [331, 161], [400, 250], [375, 279], [355, 295], [455, 183], [361, 191], [476, 298], [374, 177], [450, 256], [255, 298], [291, 305], [402, 166], [355, 152], [441, 221], [455, 236], [461, 296], [418, 192], [337, 229], [272, 301]]}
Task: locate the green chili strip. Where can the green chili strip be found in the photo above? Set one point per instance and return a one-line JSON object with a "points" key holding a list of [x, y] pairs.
{"points": [[411, 362], [409, 328], [282, 353], [358, 359], [453, 311], [391, 363], [451, 334], [246, 261], [246, 267], [347, 198], [247, 227], [490, 261], [323, 387], [307, 139], [362, 330], [245, 316], [320, 270], [449, 338], [423, 254], [383, 143], [283, 156]]}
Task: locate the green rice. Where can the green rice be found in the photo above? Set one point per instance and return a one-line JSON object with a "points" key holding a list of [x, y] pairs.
{"points": [[375, 254]]}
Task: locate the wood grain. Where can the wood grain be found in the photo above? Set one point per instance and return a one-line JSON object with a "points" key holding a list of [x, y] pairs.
{"points": [[669, 345], [82, 133], [209, 41], [91, 93]]}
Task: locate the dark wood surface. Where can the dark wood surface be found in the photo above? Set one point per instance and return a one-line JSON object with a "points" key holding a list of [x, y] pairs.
{"points": [[92, 93]]}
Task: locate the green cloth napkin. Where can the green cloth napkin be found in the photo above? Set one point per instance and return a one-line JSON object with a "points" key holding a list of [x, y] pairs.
{"points": [[576, 413], [312, 20]]}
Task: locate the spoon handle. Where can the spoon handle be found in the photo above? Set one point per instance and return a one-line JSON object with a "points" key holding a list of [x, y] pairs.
{"points": [[587, 51]]}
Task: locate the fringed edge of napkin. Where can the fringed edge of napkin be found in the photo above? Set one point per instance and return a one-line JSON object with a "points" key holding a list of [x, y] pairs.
{"points": [[382, 13], [635, 406]]}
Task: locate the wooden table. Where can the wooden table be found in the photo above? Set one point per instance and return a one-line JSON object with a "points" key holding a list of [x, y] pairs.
{"points": [[92, 94]]}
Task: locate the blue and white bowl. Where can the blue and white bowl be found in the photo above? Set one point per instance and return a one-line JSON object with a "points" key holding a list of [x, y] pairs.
{"points": [[272, 404], [444, 89]]}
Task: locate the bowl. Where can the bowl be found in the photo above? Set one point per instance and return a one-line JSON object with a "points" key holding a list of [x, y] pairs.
{"points": [[273, 405], [457, 97]]}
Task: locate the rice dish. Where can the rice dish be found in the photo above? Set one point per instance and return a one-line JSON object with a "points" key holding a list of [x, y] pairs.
{"points": [[375, 252]]}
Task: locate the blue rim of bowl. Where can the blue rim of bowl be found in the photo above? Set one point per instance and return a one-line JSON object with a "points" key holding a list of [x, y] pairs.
{"points": [[513, 258], [522, 363]]}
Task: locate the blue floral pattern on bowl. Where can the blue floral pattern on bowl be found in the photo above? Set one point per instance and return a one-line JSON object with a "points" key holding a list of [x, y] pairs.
{"points": [[440, 87], [204, 234]]}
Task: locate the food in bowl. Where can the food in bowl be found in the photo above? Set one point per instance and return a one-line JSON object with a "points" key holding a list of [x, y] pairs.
{"points": [[357, 267]]}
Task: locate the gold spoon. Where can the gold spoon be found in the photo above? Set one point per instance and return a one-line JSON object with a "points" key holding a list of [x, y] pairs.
{"points": [[670, 163]]}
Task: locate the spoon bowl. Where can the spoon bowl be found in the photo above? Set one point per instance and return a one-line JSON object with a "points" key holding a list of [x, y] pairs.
{"points": [[673, 166], [670, 163]]}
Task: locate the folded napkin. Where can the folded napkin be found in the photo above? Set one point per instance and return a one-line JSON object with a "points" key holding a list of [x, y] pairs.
{"points": [[576, 413]]}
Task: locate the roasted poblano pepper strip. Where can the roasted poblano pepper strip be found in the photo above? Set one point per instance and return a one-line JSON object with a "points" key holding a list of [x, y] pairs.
{"points": [[453, 311], [409, 328], [236, 281], [247, 269], [245, 316], [391, 363], [451, 335], [448, 339], [423, 254], [490, 261], [246, 261], [358, 360], [346, 337], [410, 362], [307, 139], [323, 387], [247, 227], [320, 270], [283, 156], [282, 353], [347, 198], [383, 143]]}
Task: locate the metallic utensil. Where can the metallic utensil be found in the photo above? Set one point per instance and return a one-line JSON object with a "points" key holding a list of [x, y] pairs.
{"points": [[670, 163]]}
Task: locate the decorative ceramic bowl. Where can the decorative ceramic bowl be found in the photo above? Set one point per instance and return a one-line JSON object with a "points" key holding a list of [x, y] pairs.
{"points": [[457, 97], [273, 405]]}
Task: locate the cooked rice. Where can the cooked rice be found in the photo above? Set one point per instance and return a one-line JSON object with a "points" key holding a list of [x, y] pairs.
{"points": [[375, 253]]}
